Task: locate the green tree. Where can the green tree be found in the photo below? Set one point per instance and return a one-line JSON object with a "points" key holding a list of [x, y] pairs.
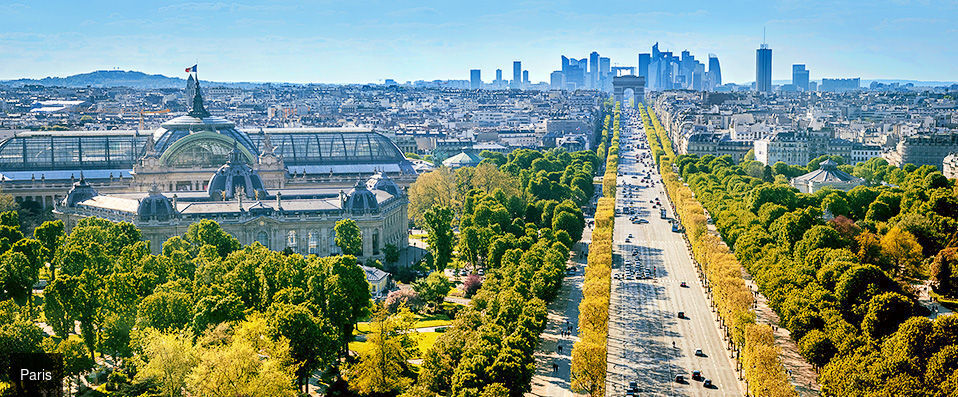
{"points": [[312, 340], [383, 369], [885, 313], [441, 239], [944, 271], [237, 369], [338, 286], [167, 359], [209, 232], [433, 289], [349, 238], [391, 253], [50, 234], [817, 348], [166, 310]]}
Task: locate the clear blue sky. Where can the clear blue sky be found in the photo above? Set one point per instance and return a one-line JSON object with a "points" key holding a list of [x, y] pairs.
{"points": [[367, 41]]}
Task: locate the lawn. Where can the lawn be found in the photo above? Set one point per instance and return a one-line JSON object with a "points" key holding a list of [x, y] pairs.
{"points": [[434, 320], [425, 340]]}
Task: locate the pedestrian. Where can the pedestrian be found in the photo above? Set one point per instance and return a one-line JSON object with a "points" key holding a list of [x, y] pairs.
{"points": [[555, 367], [559, 349]]}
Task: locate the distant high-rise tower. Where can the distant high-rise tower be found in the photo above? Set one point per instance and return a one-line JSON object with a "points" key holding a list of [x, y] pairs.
{"points": [[475, 79], [594, 69], [644, 60], [800, 77], [715, 72], [763, 69], [525, 77], [498, 74], [557, 80], [517, 74]]}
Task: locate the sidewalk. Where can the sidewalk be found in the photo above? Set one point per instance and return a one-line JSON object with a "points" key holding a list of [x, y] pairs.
{"points": [[562, 311]]}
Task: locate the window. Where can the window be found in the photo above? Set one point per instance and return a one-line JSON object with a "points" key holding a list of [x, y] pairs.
{"points": [[313, 243], [263, 238], [376, 242]]}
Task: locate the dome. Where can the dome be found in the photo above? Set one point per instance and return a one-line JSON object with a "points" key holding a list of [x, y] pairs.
{"points": [[81, 191], [360, 199], [199, 139], [380, 181], [155, 206], [236, 175]]}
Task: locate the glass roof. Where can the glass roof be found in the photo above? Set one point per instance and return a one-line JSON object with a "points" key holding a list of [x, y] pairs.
{"points": [[52, 151]]}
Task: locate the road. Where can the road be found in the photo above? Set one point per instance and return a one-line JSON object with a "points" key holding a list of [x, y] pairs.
{"points": [[643, 321]]}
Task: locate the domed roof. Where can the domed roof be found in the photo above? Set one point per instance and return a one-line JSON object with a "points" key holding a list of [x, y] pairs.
{"points": [[155, 206], [236, 175], [81, 191], [360, 199], [197, 121], [380, 181]]}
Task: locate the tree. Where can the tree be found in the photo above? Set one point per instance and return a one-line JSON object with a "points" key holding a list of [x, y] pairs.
{"points": [[471, 285], [441, 239], [903, 250], [209, 232], [435, 188], [167, 359], [391, 253], [404, 297], [817, 348], [238, 370], [588, 368], [76, 361], [339, 288], [312, 340], [433, 289], [17, 276], [944, 271], [166, 310], [349, 238], [885, 313], [383, 369], [50, 234]]}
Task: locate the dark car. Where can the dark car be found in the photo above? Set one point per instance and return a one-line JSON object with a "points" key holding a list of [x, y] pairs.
{"points": [[684, 285], [679, 379], [707, 384], [681, 315], [696, 375]]}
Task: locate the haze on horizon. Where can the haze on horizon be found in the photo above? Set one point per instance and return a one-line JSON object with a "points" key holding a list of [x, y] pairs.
{"points": [[345, 42]]}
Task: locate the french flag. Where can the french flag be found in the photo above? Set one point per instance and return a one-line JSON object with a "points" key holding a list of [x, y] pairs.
{"points": [[191, 69]]}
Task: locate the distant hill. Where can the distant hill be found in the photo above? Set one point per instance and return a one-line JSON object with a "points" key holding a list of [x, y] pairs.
{"points": [[116, 78]]}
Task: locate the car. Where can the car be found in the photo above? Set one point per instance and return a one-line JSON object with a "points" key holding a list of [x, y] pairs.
{"points": [[633, 385], [679, 378], [684, 285], [696, 375], [699, 353], [707, 384], [642, 221], [682, 315]]}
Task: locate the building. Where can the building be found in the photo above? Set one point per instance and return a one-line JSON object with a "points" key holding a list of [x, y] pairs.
{"points": [[180, 156], [715, 144], [525, 78], [594, 70], [800, 77], [557, 80], [302, 220], [840, 85], [517, 74], [827, 175], [378, 280], [463, 159], [923, 150], [790, 148], [763, 69], [714, 73], [644, 60], [475, 79], [949, 166]]}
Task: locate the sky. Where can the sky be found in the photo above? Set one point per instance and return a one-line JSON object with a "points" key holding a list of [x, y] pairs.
{"points": [[368, 41]]}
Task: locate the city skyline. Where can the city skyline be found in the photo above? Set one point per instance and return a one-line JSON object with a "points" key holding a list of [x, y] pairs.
{"points": [[246, 42]]}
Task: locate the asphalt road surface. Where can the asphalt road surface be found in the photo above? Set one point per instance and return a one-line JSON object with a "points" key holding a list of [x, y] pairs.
{"points": [[650, 264]]}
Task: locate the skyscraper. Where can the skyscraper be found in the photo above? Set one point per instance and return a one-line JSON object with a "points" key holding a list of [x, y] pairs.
{"points": [[763, 69], [517, 74], [557, 80], [525, 78], [594, 69], [800, 77], [474, 79], [715, 72], [605, 73], [644, 66], [498, 74]]}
